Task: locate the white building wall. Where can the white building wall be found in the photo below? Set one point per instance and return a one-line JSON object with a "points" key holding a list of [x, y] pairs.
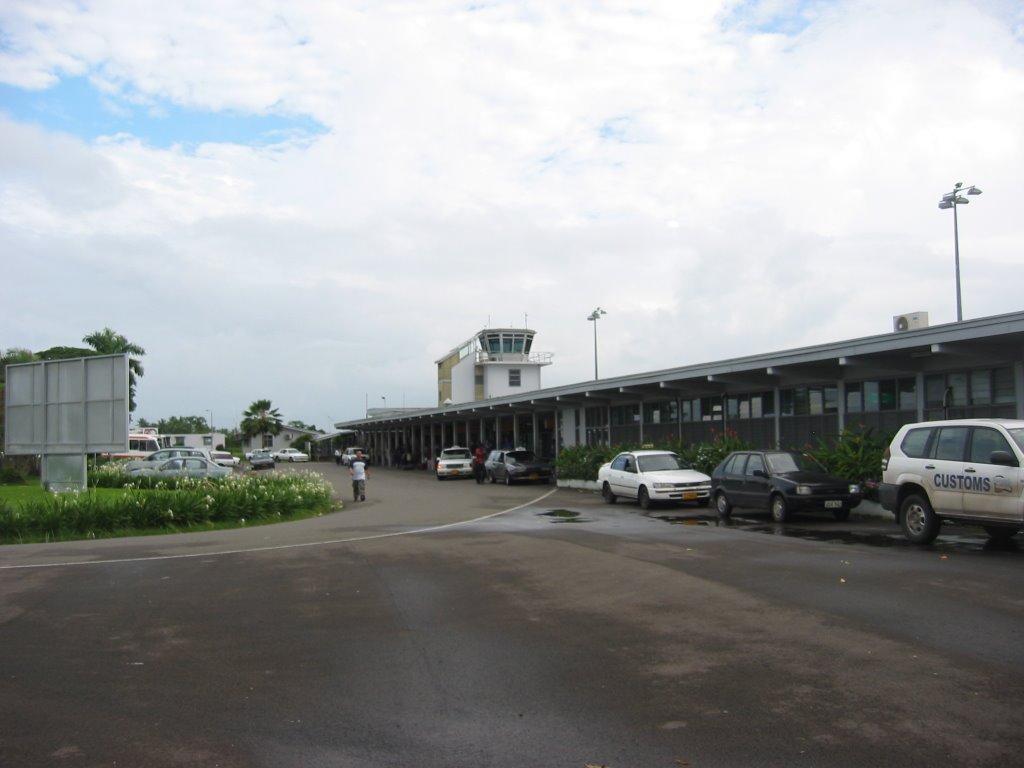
{"points": [[496, 379], [201, 440]]}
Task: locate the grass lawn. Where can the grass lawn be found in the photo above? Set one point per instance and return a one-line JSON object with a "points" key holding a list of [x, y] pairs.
{"points": [[33, 491]]}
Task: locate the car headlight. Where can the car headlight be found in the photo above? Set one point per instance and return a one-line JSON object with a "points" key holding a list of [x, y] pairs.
{"points": [[663, 486], [854, 488], [517, 470], [803, 490]]}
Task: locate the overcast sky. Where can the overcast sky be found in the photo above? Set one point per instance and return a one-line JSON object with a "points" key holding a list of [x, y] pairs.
{"points": [[312, 202]]}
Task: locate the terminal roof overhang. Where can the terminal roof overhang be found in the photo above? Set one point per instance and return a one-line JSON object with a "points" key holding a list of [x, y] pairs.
{"points": [[994, 341]]}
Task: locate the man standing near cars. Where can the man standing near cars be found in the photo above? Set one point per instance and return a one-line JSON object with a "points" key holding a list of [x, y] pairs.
{"points": [[479, 457], [357, 469]]}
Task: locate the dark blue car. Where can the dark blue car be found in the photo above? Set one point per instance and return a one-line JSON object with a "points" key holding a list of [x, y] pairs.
{"points": [[780, 482]]}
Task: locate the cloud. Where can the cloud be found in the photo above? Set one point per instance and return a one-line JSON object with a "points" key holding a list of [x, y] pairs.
{"points": [[724, 179]]}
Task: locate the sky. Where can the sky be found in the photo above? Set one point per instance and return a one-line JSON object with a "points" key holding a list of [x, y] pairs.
{"points": [[312, 202]]}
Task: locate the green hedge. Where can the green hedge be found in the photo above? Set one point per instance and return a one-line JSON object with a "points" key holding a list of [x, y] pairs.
{"points": [[170, 506]]}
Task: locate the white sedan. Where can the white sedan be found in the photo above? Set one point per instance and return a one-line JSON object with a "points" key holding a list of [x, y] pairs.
{"points": [[291, 454], [652, 476], [454, 462]]}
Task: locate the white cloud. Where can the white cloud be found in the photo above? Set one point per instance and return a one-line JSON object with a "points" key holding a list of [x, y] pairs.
{"points": [[724, 179]]}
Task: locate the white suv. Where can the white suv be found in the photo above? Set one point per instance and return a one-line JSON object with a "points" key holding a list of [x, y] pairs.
{"points": [[967, 470]]}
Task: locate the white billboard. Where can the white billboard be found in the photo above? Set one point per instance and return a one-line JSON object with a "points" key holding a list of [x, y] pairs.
{"points": [[74, 406]]}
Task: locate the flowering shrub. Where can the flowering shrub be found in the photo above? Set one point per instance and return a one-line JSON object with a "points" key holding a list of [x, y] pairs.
{"points": [[856, 455], [168, 505]]}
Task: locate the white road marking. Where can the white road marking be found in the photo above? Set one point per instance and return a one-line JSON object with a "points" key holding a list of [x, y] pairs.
{"points": [[220, 553]]}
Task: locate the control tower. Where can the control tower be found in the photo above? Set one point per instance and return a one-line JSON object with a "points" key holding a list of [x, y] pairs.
{"points": [[493, 363]]}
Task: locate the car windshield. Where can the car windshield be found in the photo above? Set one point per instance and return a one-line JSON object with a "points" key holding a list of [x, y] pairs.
{"points": [[781, 463], [660, 462], [461, 453], [1018, 436], [521, 456]]}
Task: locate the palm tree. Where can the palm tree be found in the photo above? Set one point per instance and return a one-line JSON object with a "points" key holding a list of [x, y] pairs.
{"points": [[108, 342], [261, 419]]}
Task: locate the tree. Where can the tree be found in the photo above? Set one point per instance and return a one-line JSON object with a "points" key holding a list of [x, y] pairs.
{"points": [[261, 419], [302, 425], [184, 425], [108, 342], [64, 353]]}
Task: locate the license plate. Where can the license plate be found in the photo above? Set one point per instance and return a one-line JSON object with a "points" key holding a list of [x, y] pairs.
{"points": [[689, 496], [455, 472], [534, 476], [833, 504]]}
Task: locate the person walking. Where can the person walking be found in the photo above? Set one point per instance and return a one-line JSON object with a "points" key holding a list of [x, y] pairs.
{"points": [[358, 471]]}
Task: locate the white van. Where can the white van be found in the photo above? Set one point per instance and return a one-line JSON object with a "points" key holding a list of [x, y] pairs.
{"points": [[968, 470]]}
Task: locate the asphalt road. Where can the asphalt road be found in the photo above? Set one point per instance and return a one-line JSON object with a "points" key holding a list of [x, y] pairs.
{"points": [[451, 624]]}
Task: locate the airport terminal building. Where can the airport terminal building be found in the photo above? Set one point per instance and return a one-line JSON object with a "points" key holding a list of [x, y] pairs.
{"points": [[973, 368]]}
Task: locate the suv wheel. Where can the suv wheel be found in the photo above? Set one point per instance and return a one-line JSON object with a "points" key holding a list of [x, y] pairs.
{"points": [[1000, 534], [779, 509], [918, 520]]}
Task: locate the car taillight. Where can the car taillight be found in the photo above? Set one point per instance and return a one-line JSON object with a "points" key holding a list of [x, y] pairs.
{"points": [[885, 458]]}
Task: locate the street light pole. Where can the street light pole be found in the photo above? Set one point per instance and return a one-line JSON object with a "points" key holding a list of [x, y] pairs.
{"points": [[952, 200], [594, 317]]}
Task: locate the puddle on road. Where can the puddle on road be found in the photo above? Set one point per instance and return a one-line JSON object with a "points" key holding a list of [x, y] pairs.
{"points": [[563, 516], [694, 520]]}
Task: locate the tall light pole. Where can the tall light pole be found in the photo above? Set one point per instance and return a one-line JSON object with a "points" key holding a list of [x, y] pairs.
{"points": [[594, 317], [952, 200], [385, 399], [212, 446]]}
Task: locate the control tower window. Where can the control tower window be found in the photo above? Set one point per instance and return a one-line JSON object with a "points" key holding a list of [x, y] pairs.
{"points": [[515, 377]]}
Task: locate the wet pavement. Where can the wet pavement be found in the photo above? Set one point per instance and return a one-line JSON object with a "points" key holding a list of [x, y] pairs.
{"points": [[454, 624]]}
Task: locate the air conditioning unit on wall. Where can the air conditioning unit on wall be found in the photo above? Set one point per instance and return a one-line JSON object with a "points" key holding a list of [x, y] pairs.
{"points": [[910, 321]]}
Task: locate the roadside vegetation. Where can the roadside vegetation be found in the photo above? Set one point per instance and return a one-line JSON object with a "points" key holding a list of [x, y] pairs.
{"points": [[118, 505]]}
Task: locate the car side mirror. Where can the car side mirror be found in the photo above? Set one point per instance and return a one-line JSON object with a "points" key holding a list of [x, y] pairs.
{"points": [[760, 473], [1003, 459]]}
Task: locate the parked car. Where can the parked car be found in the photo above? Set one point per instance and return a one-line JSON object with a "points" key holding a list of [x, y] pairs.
{"points": [[224, 458], [290, 454], [183, 466], [454, 462], [348, 453], [653, 476], [780, 482], [516, 466], [261, 458], [968, 470], [156, 458]]}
